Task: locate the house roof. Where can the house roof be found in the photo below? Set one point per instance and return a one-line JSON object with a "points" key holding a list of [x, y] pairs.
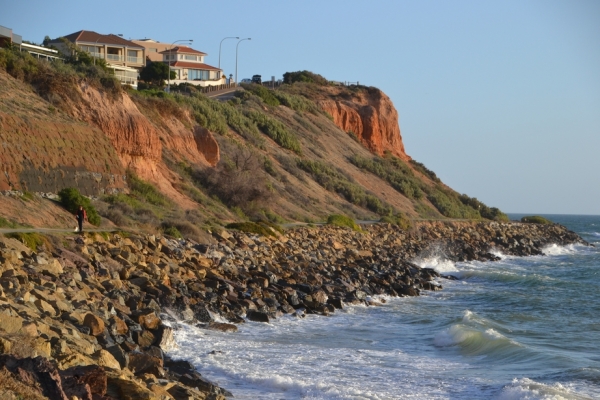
{"points": [[182, 49], [94, 37], [193, 65]]}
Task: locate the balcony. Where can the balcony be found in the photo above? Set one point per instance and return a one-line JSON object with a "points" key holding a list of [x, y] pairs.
{"points": [[135, 60], [114, 57]]}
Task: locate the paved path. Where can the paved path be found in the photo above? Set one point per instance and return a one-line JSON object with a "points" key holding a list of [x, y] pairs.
{"points": [[53, 230]]}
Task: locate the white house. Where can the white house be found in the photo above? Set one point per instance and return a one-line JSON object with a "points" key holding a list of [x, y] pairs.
{"points": [[189, 66]]}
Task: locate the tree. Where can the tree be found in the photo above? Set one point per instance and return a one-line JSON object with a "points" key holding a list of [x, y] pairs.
{"points": [[156, 73]]}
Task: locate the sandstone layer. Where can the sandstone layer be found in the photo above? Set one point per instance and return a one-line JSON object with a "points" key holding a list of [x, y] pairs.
{"points": [[370, 115], [43, 150]]}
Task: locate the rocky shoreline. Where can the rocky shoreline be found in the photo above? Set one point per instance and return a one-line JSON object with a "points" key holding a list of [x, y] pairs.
{"points": [[84, 317]]}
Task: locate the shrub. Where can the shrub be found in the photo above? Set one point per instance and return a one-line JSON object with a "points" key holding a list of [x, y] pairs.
{"points": [[32, 240], [71, 199], [335, 181], [536, 219], [276, 131], [392, 170], [304, 76], [450, 206], [172, 231], [238, 180], [344, 221], [146, 191], [251, 227], [265, 94], [399, 219], [486, 212], [4, 223], [296, 102], [425, 171]]}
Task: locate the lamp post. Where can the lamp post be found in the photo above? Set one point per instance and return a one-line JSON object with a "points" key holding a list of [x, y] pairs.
{"points": [[96, 43], [169, 61], [228, 37], [236, 56]]}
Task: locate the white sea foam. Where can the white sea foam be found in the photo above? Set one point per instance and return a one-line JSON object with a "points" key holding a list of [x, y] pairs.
{"points": [[556, 250], [528, 389], [439, 264]]}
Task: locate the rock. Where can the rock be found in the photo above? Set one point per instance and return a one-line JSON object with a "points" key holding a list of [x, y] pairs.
{"points": [[94, 323], [36, 371], [93, 376], [140, 363], [144, 338], [119, 354], [257, 316], [105, 358], [219, 326], [9, 322], [146, 318], [164, 338]]}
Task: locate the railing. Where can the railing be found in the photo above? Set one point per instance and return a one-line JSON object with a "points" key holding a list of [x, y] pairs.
{"points": [[136, 60], [114, 57], [96, 55], [215, 88]]}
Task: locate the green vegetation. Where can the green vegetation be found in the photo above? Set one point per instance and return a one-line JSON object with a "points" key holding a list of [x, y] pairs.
{"points": [[425, 171], [296, 102], [536, 219], [32, 240], [252, 227], [486, 212], [56, 81], [399, 219], [156, 73], [4, 223], [392, 170], [71, 199], [265, 94], [146, 191], [344, 221], [276, 131], [335, 181], [304, 76]]}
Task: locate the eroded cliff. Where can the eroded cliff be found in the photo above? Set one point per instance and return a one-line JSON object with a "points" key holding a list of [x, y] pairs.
{"points": [[367, 113], [44, 150]]}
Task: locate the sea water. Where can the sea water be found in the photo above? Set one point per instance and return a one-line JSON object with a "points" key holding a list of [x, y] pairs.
{"points": [[519, 328]]}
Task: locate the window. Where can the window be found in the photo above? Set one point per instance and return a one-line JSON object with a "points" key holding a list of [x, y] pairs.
{"points": [[197, 74], [191, 58], [131, 53], [151, 50]]}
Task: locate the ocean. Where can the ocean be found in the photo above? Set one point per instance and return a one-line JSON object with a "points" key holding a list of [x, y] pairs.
{"points": [[519, 328]]}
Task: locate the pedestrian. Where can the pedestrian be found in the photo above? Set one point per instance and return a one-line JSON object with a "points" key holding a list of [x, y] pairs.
{"points": [[80, 216]]}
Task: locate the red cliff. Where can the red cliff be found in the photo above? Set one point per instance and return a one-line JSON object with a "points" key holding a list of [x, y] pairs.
{"points": [[369, 114]]}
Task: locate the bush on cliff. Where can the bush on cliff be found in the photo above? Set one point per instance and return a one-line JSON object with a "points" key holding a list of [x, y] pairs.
{"points": [[344, 221], [536, 219], [251, 227], [399, 219], [392, 170], [336, 181], [265, 94], [276, 131], [32, 240], [71, 199], [304, 76]]}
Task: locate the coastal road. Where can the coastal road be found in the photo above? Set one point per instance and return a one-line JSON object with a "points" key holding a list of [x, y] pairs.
{"points": [[223, 95]]}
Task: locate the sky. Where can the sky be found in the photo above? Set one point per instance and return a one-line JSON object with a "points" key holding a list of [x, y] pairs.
{"points": [[500, 98]]}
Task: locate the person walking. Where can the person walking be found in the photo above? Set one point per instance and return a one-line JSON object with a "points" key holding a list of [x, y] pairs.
{"points": [[80, 216]]}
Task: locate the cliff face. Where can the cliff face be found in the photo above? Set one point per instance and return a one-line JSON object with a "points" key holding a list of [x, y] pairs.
{"points": [[43, 150], [370, 115]]}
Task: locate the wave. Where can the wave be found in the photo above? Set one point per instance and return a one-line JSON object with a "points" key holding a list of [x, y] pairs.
{"points": [[476, 342], [438, 263], [557, 250], [528, 389]]}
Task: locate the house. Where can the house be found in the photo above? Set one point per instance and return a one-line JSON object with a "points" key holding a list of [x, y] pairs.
{"points": [[153, 49], [189, 66], [124, 57], [9, 38]]}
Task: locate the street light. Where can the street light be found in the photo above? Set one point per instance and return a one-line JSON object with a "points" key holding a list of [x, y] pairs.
{"points": [[169, 61], [228, 37], [96, 43], [236, 54]]}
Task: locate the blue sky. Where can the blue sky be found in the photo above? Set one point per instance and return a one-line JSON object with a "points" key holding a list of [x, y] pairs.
{"points": [[501, 99]]}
